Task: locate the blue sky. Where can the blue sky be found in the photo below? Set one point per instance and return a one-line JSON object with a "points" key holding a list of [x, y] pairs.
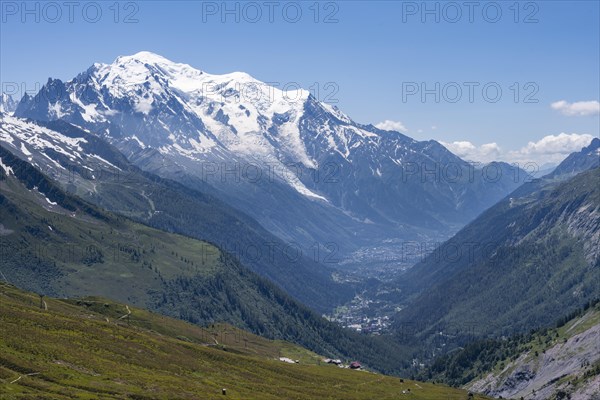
{"points": [[376, 53]]}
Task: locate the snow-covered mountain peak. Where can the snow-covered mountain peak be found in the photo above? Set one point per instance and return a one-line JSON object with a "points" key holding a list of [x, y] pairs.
{"points": [[146, 75], [174, 107], [145, 101], [146, 57], [276, 151], [126, 75], [239, 87], [233, 109]]}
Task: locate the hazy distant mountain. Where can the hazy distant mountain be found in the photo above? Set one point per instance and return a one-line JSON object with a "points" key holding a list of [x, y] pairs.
{"points": [[587, 158], [523, 263]]}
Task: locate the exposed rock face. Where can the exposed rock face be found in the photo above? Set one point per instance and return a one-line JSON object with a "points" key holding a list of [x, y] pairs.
{"points": [[559, 372]]}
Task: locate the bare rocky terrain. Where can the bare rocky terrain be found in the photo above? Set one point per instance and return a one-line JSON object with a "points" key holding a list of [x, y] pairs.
{"points": [[558, 372]]}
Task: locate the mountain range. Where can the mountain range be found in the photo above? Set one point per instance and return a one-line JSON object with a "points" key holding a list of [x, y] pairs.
{"points": [[302, 168]]}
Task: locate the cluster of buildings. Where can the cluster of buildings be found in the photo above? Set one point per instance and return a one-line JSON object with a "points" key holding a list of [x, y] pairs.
{"points": [[359, 315], [338, 362]]}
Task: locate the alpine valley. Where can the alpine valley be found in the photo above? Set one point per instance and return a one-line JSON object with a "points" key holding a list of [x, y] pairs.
{"points": [[153, 214]]}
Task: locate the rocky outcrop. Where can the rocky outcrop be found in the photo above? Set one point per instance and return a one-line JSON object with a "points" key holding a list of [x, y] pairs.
{"points": [[565, 370]]}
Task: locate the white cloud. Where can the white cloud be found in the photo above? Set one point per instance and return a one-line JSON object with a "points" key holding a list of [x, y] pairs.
{"points": [[468, 151], [388, 125], [579, 108], [551, 149]]}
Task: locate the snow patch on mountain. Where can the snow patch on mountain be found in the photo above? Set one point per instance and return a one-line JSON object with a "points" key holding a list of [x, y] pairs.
{"points": [[37, 137], [36, 144], [24, 149], [7, 170], [7, 103]]}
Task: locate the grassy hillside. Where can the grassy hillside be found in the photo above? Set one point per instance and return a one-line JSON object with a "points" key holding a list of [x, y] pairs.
{"points": [[81, 349], [56, 244]]}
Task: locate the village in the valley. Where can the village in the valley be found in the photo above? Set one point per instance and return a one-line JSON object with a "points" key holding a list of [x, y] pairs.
{"points": [[363, 315]]}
